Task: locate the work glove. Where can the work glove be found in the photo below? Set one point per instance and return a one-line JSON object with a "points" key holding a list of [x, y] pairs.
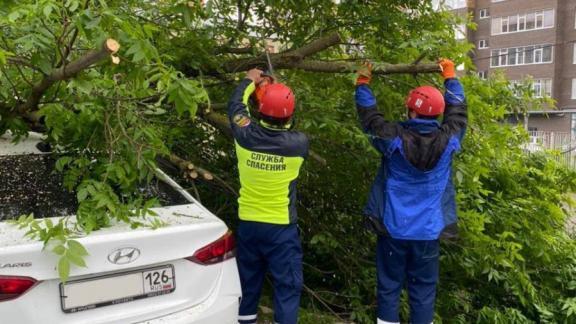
{"points": [[265, 79], [447, 68], [364, 74]]}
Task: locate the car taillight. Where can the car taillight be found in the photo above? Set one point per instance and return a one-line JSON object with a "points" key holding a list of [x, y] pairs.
{"points": [[217, 251], [14, 287]]}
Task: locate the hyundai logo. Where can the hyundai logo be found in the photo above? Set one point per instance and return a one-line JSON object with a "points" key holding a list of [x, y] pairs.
{"points": [[124, 255]]}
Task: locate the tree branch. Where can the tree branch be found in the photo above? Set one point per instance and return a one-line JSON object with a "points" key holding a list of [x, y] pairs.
{"points": [[295, 55], [15, 60], [346, 67], [189, 168], [68, 71], [297, 59], [233, 50], [192, 171], [68, 48], [220, 121], [317, 46]]}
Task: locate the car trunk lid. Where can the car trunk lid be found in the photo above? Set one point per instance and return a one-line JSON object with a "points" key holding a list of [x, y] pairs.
{"points": [[189, 227]]}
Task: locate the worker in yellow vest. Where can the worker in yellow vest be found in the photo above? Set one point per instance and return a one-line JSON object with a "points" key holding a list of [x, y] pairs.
{"points": [[269, 155]]}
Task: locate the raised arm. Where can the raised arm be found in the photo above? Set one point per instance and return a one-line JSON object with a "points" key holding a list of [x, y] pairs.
{"points": [[455, 115], [239, 101], [238, 113], [373, 122]]}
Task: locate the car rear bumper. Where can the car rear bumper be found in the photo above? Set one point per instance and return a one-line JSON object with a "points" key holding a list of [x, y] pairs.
{"points": [[224, 311], [221, 307]]}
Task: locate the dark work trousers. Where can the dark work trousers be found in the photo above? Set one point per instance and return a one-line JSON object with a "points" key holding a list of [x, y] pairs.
{"points": [[414, 263], [263, 247]]}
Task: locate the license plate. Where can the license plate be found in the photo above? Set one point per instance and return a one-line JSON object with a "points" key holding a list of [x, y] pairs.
{"points": [[85, 294]]}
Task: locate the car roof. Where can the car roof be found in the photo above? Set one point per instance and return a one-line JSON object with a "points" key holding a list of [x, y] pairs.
{"points": [[24, 145]]}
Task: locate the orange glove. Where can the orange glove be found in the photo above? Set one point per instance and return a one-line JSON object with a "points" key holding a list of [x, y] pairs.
{"points": [[264, 81], [447, 68], [364, 74]]}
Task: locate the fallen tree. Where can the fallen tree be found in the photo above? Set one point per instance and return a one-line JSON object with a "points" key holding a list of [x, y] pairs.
{"points": [[113, 122], [65, 72], [298, 59]]}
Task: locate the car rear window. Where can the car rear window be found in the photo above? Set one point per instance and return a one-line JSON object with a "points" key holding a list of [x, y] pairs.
{"points": [[29, 184]]}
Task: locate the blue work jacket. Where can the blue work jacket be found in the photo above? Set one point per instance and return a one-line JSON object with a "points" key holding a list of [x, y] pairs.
{"points": [[413, 196]]}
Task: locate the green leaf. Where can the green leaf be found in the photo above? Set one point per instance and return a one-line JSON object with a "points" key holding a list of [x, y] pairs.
{"points": [[64, 268], [14, 15], [59, 249], [77, 248], [84, 86], [82, 194], [2, 57], [48, 10], [49, 224], [76, 259], [62, 162], [72, 5], [44, 65]]}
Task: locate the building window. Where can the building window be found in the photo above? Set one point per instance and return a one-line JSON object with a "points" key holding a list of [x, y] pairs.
{"points": [[530, 21], [574, 54], [512, 24], [540, 87], [521, 22], [483, 43], [504, 25], [537, 54], [540, 19], [512, 55], [573, 124], [484, 13], [495, 56], [573, 88], [503, 56], [483, 75]]}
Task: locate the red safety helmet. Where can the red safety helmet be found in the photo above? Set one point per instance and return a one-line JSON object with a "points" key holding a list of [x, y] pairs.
{"points": [[426, 101], [275, 100]]}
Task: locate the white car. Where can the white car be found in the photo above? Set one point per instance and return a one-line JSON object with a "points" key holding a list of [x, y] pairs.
{"points": [[181, 273]]}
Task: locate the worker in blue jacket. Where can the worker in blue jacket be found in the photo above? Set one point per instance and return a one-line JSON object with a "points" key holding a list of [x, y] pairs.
{"points": [[412, 201], [270, 155]]}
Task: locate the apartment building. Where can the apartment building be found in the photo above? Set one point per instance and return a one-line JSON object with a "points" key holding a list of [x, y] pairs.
{"points": [[528, 38]]}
